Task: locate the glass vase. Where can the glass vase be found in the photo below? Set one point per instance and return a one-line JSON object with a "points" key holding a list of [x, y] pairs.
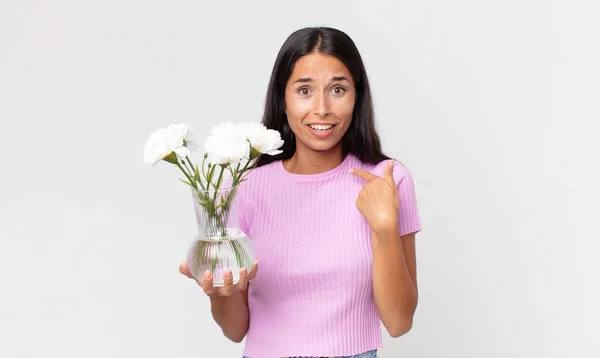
{"points": [[220, 245]]}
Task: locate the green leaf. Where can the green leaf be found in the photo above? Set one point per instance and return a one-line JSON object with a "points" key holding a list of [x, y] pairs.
{"points": [[186, 182]]}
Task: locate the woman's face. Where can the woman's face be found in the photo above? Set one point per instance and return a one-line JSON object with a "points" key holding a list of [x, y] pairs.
{"points": [[319, 101]]}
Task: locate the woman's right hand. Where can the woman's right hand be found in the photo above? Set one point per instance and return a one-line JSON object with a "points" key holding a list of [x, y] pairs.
{"points": [[228, 287]]}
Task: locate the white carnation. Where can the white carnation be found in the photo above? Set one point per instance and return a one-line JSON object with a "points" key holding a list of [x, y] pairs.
{"points": [[165, 141], [183, 132], [262, 140], [226, 145]]}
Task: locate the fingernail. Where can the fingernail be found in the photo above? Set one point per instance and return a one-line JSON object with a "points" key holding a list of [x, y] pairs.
{"points": [[228, 275], [207, 275]]}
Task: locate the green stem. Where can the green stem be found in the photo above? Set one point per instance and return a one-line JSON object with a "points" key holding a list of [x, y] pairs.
{"points": [[192, 183], [187, 170], [203, 172], [218, 184], [196, 175], [234, 174], [192, 170], [211, 174], [220, 179], [245, 167], [244, 170], [190, 162], [246, 174]]}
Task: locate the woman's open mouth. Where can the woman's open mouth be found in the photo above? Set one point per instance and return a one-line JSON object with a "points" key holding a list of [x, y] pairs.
{"points": [[321, 130]]}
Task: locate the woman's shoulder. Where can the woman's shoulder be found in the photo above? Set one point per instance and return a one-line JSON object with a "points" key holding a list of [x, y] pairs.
{"points": [[257, 176], [400, 172], [264, 170]]}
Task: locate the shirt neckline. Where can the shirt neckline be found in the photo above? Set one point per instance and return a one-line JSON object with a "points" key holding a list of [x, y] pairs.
{"points": [[342, 167]]}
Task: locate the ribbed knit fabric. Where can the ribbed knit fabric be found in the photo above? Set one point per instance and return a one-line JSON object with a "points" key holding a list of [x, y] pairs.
{"points": [[313, 293]]}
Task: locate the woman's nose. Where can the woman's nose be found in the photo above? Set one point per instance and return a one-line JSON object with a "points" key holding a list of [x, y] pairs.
{"points": [[321, 106]]}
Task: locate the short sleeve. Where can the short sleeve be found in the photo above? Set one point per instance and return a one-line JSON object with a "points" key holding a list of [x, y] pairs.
{"points": [[408, 213]]}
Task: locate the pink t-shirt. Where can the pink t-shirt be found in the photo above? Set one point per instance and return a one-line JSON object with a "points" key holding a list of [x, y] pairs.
{"points": [[313, 293]]}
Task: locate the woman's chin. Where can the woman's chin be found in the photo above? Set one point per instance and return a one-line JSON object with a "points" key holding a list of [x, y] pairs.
{"points": [[323, 145]]}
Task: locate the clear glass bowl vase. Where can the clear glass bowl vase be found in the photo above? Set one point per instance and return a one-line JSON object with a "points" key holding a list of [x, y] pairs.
{"points": [[220, 245]]}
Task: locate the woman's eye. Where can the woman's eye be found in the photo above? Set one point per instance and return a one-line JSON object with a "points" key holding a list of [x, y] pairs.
{"points": [[338, 90], [304, 91]]}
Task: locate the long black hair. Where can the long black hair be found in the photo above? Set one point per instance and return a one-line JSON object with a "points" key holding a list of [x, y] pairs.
{"points": [[361, 138]]}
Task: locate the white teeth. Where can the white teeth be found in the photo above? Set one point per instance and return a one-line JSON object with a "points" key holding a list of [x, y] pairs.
{"points": [[320, 127]]}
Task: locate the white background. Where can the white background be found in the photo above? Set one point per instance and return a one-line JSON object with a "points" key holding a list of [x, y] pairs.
{"points": [[492, 105]]}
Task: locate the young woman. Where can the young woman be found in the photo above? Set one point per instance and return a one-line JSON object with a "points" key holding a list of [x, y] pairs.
{"points": [[332, 219]]}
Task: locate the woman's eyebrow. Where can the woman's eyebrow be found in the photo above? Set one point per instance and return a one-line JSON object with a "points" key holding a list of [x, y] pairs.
{"points": [[303, 80], [333, 79], [340, 78]]}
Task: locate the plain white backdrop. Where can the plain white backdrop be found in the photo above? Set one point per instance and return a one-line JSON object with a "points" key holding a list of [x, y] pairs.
{"points": [[493, 107]]}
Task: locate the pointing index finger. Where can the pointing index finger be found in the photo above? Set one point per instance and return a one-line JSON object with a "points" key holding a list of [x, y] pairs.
{"points": [[363, 174]]}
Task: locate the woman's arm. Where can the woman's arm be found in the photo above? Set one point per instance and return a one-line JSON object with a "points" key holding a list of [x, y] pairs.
{"points": [[231, 314], [229, 303], [394, 280], [394, 258]]}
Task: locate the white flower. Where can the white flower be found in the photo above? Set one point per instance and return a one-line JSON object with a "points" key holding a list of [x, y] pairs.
{"points": [[183, 131], [262, 140], [165, 141], [226, 145]]}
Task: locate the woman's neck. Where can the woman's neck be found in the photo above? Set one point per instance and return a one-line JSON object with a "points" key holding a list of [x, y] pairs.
{"points": [[305, 161]]}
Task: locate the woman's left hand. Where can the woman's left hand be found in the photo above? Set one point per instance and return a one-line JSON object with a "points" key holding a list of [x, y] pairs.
{"points": [[378, 200]]}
